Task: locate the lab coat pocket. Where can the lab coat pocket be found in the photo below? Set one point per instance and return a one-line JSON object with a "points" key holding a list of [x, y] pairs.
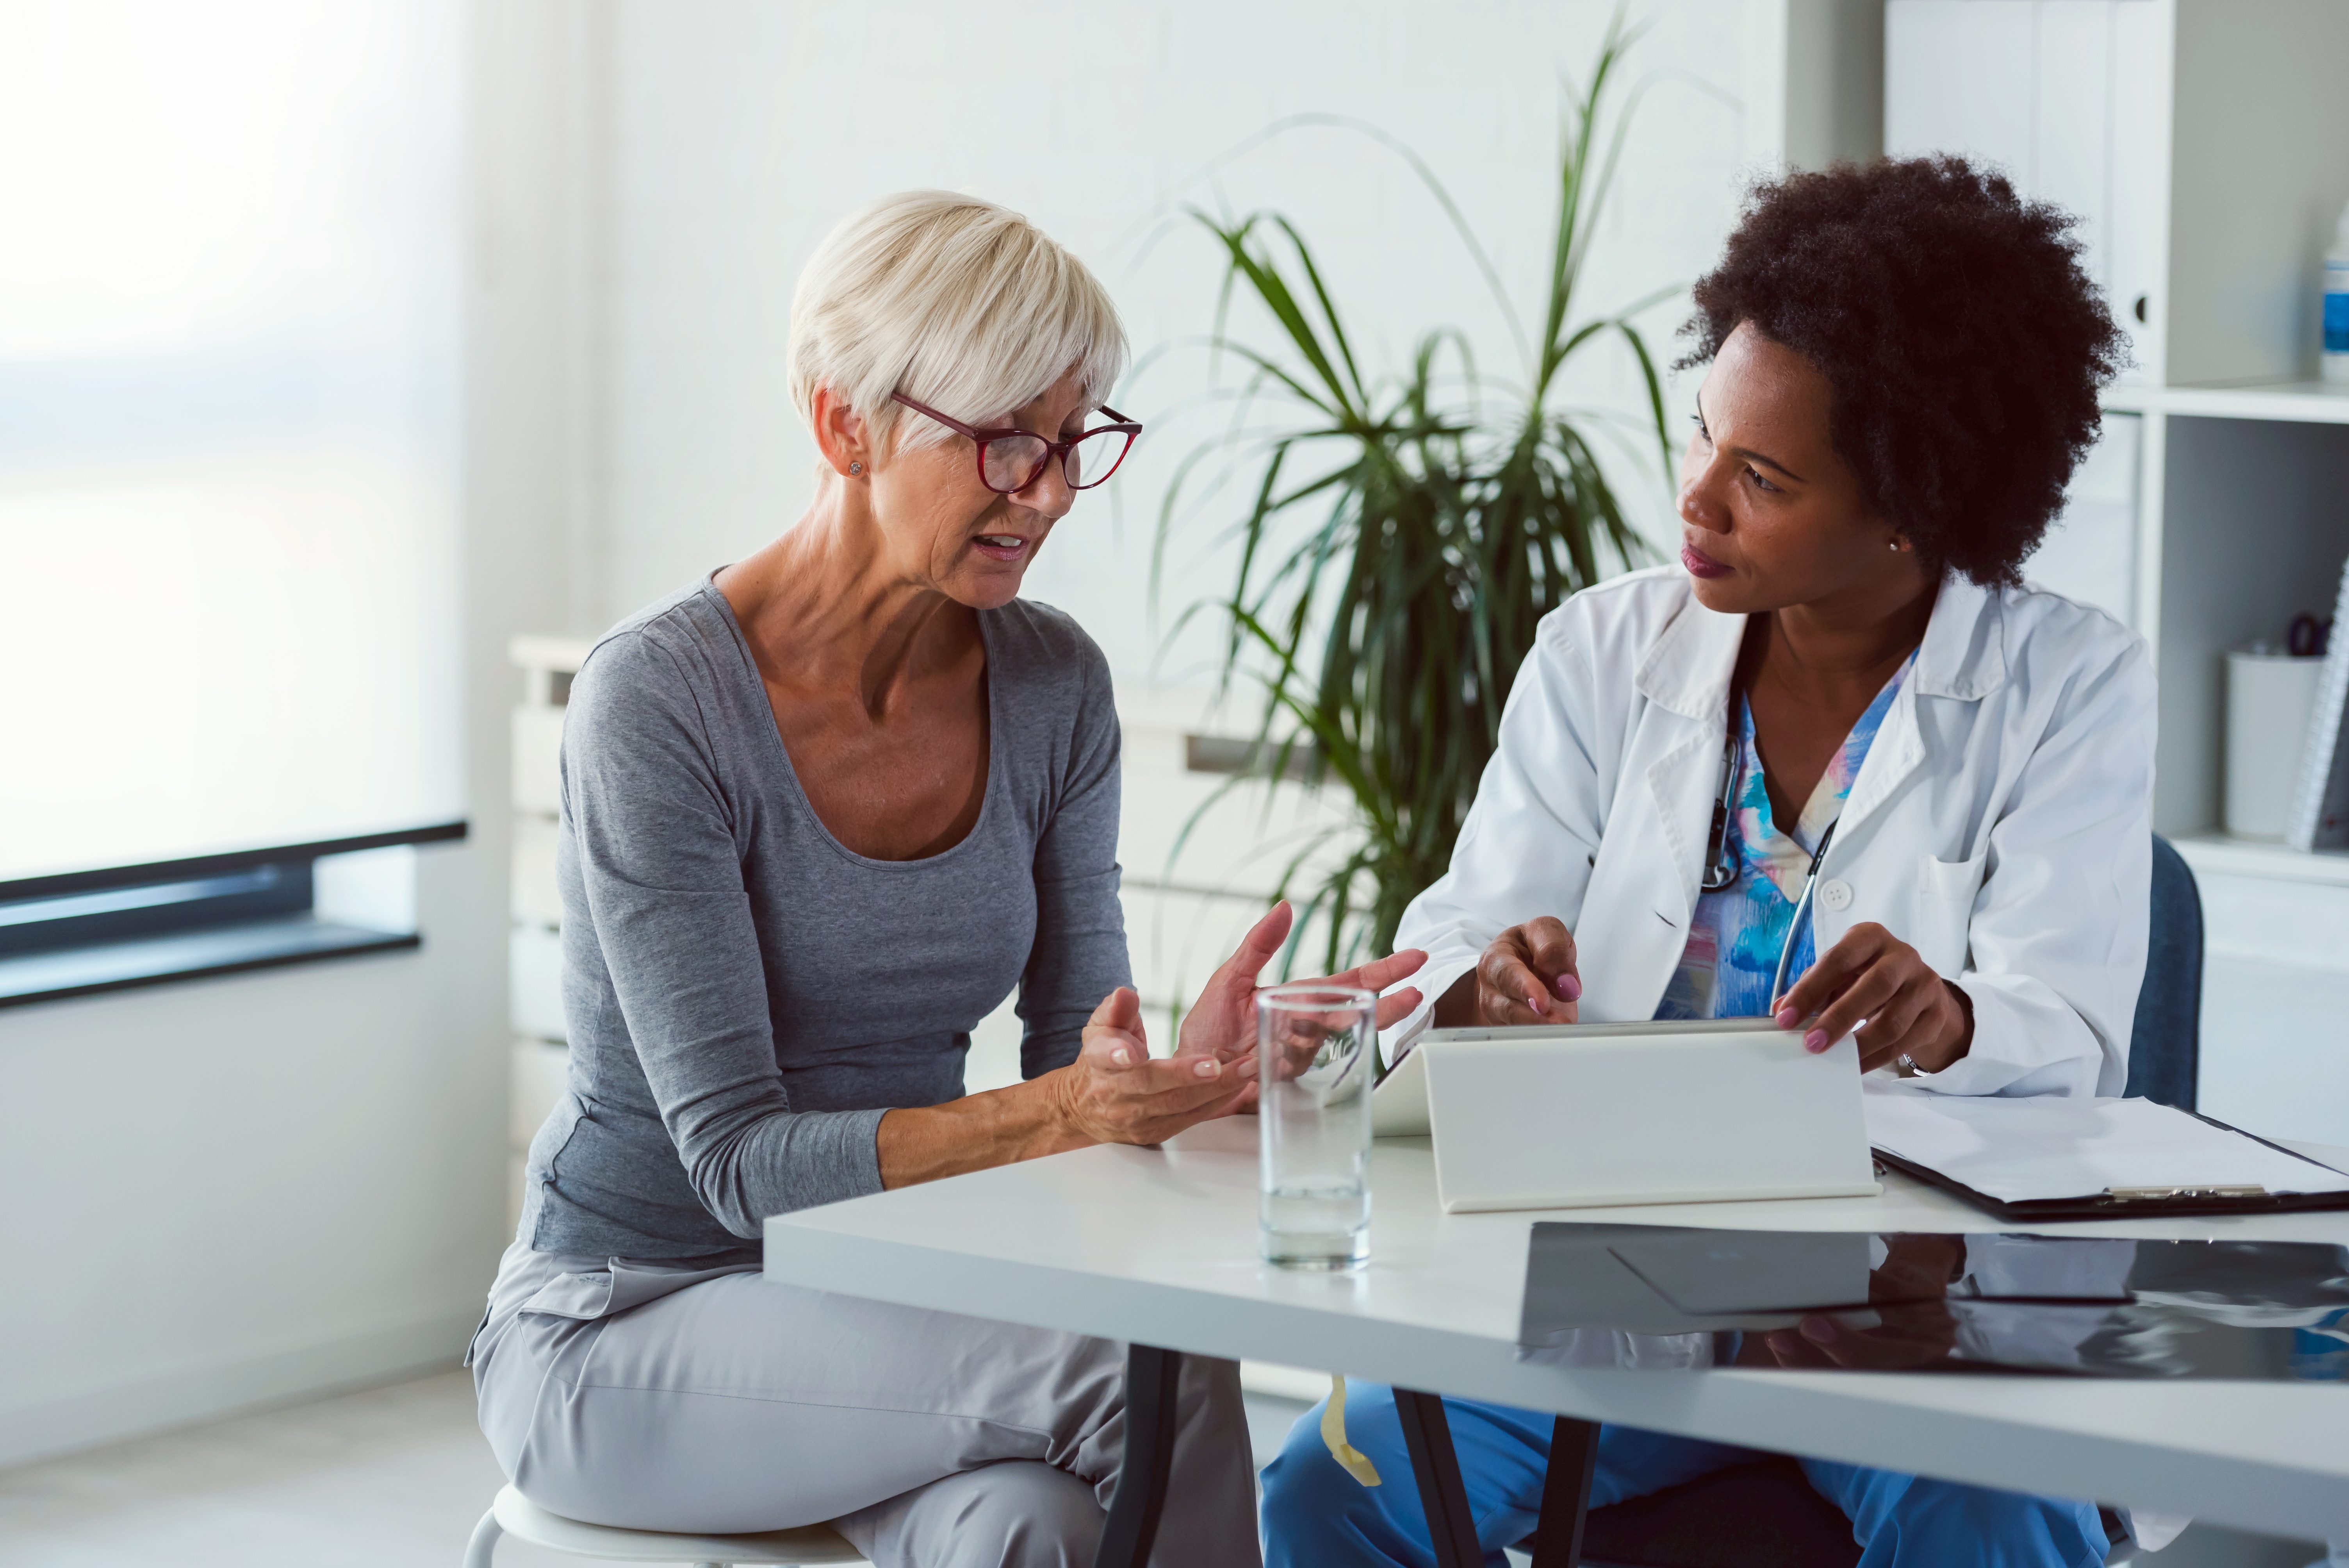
{"points": [[1945, 908]]}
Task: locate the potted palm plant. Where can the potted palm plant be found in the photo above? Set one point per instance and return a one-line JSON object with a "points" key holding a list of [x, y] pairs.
{"points": [[1403, 537]]}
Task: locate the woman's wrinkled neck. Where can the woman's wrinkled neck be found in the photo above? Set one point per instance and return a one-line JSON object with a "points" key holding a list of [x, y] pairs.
{"points": [[826, 610]]}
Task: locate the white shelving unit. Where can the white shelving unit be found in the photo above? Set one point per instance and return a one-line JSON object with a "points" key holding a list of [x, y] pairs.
{"points": [[2206, 145], [539, 1057]]}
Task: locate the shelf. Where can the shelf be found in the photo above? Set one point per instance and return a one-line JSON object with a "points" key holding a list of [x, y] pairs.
{"points": [[2216, 853], [2302, 402]]}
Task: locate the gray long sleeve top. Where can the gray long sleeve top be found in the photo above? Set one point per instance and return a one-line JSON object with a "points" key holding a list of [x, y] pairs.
{"points": [[745, 995]]}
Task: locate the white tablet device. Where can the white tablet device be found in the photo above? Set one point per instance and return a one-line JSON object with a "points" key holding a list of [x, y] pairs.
{"points": [[1578, 1115]]}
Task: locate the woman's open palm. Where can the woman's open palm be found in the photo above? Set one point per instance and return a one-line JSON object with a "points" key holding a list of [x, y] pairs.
{"points": [[1222, 1022], [1115, 1093]]}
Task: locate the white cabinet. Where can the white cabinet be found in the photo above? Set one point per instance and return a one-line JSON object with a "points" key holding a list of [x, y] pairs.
{"points": [[2275, 1007], [537, 1060], [2063, 96], [2201, 143], [2091, 552], [534, 981]]}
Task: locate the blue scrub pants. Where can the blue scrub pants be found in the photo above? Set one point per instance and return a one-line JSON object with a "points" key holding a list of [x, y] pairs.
{"points": [[1317, 1516]]}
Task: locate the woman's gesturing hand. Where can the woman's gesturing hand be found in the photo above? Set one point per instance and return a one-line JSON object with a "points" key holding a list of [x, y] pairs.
{"points": [[1526, 975], [1222, 1022], [1870, 978], [1114, 1092]]}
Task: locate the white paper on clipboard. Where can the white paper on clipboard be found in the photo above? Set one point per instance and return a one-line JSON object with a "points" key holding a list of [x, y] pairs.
{"points": [[2049, 1146]]}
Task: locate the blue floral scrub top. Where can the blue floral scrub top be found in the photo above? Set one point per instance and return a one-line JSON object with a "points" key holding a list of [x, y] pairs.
{"points": [[1733, 947]]}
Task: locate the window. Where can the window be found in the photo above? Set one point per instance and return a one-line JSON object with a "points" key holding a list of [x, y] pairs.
{"points": [[230, 250]]}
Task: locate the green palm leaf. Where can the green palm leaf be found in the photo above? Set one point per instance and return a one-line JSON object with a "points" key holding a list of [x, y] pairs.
{"points": [[1400, 547]]}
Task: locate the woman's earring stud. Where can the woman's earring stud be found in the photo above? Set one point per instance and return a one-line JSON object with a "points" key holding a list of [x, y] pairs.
{"points": [[1893, 545], [859, 468]]}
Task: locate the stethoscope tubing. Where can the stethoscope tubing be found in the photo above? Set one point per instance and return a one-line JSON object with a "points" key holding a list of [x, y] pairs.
{"points": [[1721, 868], [1802, 913]]}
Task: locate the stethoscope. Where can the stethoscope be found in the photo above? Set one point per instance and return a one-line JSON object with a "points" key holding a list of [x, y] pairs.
{"points": [[1721, 868]]}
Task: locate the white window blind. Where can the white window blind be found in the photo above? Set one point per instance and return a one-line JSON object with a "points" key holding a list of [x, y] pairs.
{"points": [[229, 333]]}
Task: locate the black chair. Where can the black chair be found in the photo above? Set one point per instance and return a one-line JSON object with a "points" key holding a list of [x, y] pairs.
{"points": [[1764, 1514], [2166, 1040]]}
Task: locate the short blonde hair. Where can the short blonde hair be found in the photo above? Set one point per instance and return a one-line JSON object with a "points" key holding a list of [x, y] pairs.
{"points": [[955, 302]]}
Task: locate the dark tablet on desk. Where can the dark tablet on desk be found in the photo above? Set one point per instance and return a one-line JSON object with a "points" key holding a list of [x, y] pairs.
{"points": [[1684, 1298]]}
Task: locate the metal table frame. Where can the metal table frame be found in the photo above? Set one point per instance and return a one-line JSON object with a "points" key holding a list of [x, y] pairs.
{"points": [[1143, 1476]]}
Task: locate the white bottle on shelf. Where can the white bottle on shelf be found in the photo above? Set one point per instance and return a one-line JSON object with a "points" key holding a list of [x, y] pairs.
{"points": [[2336, 303]]}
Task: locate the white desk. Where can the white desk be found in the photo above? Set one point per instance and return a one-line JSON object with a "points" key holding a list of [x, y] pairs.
{"points": [[1158, 1246]]}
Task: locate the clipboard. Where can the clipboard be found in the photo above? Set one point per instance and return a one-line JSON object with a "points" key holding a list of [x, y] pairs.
{"points": [[2139, 1202]]}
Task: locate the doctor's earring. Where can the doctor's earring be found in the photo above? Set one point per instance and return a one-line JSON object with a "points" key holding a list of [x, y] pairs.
{"points": [[859, 468]]}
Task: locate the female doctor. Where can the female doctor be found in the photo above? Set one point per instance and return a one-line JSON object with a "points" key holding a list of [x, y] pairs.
{"points": [[1839, 766]]}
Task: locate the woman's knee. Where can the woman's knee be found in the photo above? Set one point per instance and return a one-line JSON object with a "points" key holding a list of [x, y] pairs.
{"points": [[1020, 1513], [1028, 1515]]}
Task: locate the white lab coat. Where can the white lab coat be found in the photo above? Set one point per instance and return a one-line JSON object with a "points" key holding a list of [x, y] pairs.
{"points": [[2000, 824]]}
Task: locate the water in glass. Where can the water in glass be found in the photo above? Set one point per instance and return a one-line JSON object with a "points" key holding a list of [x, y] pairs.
{"points": [[1315, 1046]]}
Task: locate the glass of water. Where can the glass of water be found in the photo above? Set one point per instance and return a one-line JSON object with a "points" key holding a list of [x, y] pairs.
{"points": [[1314, 1051]]}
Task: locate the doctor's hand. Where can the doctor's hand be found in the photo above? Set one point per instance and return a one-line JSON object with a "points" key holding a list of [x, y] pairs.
{"points": [[1527, 977], [1221, 1025], [1874, 983]]}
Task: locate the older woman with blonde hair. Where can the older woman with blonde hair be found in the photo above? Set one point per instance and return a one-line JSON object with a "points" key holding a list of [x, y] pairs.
{"points": [[822, 812]]}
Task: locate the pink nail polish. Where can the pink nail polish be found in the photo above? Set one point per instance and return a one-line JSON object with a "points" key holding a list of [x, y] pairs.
{"points": [[1816, 1041], [1533, 1000], [1788, 1017], [1119, 1056], [1569, 989]]}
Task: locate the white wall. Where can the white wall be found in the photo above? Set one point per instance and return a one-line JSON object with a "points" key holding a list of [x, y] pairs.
{"points": [[224, 1193], [739, 130], [730, 135], [234, 1191]]}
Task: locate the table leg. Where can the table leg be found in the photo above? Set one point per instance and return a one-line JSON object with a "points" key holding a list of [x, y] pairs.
{"points": [[1565, 1493], [1141, 1477], [1436, 1467]]}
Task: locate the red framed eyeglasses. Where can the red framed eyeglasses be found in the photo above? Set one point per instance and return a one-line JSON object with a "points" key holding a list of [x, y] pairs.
{"points": [[1012, 460]]}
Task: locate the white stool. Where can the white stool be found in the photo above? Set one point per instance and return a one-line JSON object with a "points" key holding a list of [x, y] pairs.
{"points": [[514, 1514]]}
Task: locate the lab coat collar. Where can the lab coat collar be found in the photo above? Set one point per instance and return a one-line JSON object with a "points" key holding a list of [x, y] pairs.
{"points": [[1687, 669], [1963, 654], [1962, 657]]}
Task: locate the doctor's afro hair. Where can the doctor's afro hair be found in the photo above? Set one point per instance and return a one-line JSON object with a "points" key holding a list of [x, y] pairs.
{"points": [[1964, 343]]}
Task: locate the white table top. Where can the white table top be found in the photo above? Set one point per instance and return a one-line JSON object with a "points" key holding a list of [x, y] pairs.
{"points": [[1159, 1245]]}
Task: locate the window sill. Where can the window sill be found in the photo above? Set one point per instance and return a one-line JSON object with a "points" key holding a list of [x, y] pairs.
{"points": [[188, 955]]}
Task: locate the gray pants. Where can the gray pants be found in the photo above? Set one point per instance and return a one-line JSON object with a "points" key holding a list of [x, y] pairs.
{"points": [[659, 1398]]}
